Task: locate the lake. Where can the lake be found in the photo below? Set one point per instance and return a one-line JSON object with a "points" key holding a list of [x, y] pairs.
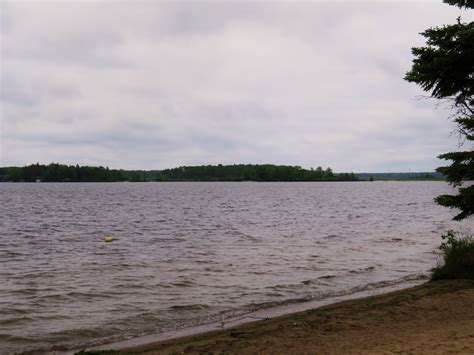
{"points": [[190, 253]]}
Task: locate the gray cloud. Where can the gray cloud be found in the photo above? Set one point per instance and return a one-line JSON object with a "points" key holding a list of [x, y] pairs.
{"points": [[155, 85]]}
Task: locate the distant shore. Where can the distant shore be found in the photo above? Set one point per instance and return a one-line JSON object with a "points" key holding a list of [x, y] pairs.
{"points": [[55, 172], [436, 317]]}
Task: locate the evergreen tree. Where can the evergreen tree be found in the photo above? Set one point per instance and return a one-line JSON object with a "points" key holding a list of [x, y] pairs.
{"points": [[445, 69]]}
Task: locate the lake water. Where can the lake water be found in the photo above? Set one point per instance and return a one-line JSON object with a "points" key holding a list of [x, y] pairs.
{"points": [[191, 253]]}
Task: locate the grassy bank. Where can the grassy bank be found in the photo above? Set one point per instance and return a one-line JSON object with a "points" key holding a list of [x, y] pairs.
{"points": [[437, 317]]}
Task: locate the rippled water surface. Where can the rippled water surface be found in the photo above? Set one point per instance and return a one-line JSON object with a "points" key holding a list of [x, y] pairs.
{"points": [[188, 253]]}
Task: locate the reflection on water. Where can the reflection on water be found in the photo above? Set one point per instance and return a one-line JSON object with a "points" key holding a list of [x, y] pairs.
{"points": [[189, 253]]}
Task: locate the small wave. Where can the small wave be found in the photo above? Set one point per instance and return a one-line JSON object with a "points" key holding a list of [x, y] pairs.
{"points": [[359, 271], [183, 284], [332, 294], [387, 283], [301, 268], [15, 321], [203, 262], [324, 277], [86, 295], [26, 319], [210, 269], [249, 238], [11, 254], [12, 310], [391, 240], [274, 294], [327, 277], [415, 277], [190, 307], [332, 236]]}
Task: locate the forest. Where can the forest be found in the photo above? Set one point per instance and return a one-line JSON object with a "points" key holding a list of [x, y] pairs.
{"points": [[55, 172]]}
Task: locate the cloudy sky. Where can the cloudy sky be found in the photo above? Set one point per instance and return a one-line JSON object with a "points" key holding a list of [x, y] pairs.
{"points": [[150, 84]]}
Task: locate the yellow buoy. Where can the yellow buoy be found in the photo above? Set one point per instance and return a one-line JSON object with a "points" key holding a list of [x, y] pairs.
{"points": [[108, 239]]}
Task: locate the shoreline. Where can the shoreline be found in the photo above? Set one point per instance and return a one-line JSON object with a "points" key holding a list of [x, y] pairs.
{"points": [[334, 325]]}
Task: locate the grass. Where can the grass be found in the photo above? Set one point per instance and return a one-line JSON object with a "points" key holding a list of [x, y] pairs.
{"points": [[458, 257]]}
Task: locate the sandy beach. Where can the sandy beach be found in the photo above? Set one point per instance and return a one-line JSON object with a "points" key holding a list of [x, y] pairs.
{"points": [[434, 318]]}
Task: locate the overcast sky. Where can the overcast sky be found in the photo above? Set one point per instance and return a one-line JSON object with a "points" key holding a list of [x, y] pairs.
{"points": [[152, 84]]}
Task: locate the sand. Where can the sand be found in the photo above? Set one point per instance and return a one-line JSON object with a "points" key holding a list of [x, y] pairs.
{"points": [[435, 318]]}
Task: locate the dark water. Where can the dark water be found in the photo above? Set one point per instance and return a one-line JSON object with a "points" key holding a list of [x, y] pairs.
{"points": [[189, 253]]}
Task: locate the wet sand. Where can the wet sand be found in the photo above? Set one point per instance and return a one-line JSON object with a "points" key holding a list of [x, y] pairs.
{"points": [[434, 318]]}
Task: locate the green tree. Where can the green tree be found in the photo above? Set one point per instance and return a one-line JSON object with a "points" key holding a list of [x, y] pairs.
{"points": [[445, 69]]}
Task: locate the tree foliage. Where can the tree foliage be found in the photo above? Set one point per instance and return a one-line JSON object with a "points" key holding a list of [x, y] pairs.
{"points": [[445, 69], [461, 3]]}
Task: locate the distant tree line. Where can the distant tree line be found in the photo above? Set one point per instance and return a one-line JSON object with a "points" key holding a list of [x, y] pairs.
{"points": [[251, 172], [55, 172], [243, 172], [60, 173], [418, 176]]}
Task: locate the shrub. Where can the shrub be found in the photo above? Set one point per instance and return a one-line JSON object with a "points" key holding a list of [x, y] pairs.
{"points": [[458, 257]]}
